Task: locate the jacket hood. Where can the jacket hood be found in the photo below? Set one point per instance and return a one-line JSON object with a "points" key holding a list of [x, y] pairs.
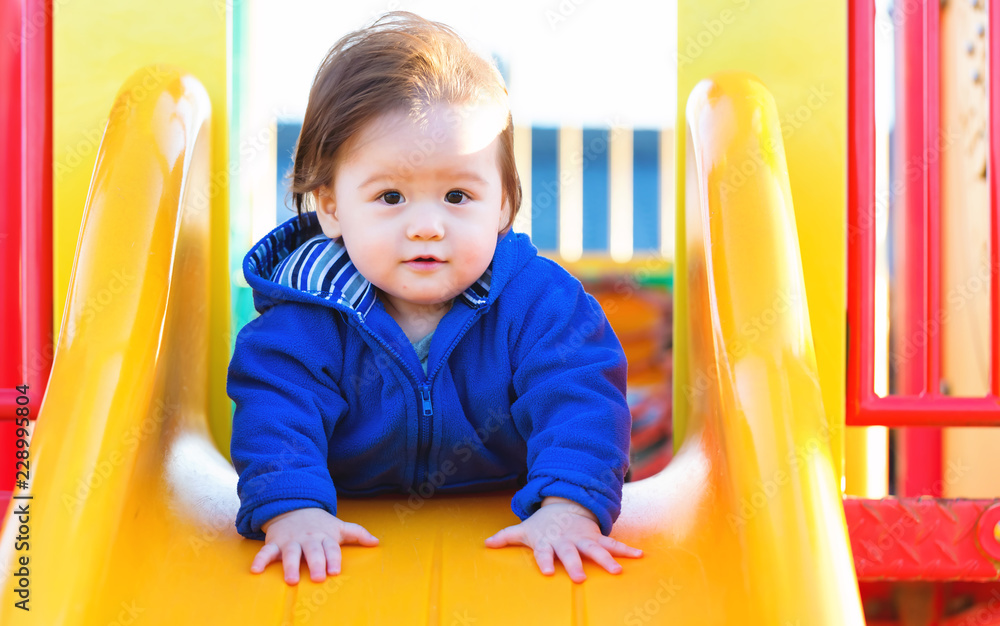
{"points": [[297, 262]]}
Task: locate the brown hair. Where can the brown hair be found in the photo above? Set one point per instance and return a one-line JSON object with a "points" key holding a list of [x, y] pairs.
{"points": [[401, 62]]}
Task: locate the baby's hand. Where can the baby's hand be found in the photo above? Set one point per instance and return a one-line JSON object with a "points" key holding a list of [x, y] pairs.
{"points": [[311, 532], [568, 529]]}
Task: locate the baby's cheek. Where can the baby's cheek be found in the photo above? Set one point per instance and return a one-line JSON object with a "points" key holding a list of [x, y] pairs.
{"points": [[474, 262], [370, 254], [369, 266]]}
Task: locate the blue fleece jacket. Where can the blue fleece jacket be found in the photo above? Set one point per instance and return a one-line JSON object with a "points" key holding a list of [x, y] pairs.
{"points": [[525, 387]]}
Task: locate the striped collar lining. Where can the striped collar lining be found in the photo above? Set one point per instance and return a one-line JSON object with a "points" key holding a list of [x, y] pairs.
{"points": [[321, 266], [274, 250]]}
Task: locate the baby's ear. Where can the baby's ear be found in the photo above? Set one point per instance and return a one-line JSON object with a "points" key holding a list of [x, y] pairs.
{"points": [[506, 222], [326, 211]]}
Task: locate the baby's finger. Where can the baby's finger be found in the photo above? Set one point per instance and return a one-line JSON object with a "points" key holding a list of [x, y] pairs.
{"points": [[265, 556], [618, 548], [290, 558], [356, 533], [507, 536], [570, 558], [332, 549], [315, 557], [544, 558], [600, 556]]}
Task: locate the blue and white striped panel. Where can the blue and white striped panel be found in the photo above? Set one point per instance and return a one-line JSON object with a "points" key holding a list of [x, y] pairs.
{"points": [[596, 190], [288, 134], [646, 172], [544, 166]]}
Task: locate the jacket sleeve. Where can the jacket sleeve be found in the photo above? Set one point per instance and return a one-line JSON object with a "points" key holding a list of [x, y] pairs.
{"points": [[569, 378], [287, 405]]}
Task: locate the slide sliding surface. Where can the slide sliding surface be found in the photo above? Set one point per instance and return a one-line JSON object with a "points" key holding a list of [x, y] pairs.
{"points": [[132, 506]]}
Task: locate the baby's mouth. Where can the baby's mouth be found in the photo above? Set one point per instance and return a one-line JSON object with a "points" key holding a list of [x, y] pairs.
{"points": [[424, 262]]}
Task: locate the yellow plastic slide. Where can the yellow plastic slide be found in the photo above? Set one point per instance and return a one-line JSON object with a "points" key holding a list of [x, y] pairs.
{"points": [[132, 506]]}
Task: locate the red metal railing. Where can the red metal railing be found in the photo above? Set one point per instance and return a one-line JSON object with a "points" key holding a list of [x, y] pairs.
{"points": [[912, 538], [993, 86], [26, 333], [28, 182], [921, 402]]}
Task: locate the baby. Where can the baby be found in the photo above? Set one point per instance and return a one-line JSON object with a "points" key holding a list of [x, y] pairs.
{"points": [[408, 338]]}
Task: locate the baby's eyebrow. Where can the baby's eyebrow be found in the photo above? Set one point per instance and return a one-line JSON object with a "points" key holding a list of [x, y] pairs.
{"points": [[376, 178], [476, 178], [462, 175]]}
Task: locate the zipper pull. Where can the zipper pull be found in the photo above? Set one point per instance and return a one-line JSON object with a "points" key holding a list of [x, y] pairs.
{"points": [[425, 395]]}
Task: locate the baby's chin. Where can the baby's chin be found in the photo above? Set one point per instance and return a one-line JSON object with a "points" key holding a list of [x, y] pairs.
{"points": [[434, 299]]}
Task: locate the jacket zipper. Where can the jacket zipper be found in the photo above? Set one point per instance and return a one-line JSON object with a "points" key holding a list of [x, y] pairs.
{"points": [[423, 460], [427, 407], [423, 455], [400, 359]]}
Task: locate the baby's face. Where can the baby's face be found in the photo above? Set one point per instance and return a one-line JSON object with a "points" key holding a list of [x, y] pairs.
{"points": [[419, 207]]}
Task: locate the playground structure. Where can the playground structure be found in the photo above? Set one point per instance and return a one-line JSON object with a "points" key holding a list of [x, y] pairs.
{"points": [[748, 523]]}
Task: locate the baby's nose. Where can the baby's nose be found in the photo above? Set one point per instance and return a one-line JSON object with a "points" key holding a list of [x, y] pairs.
{"points": [[426, 225]]}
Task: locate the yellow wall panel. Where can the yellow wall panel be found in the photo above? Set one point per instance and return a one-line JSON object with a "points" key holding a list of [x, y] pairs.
{"points": [[97, 44], [799, 51]]}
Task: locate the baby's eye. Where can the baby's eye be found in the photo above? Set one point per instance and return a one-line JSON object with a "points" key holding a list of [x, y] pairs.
{"points": [[454, 196], [392, 197]]}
